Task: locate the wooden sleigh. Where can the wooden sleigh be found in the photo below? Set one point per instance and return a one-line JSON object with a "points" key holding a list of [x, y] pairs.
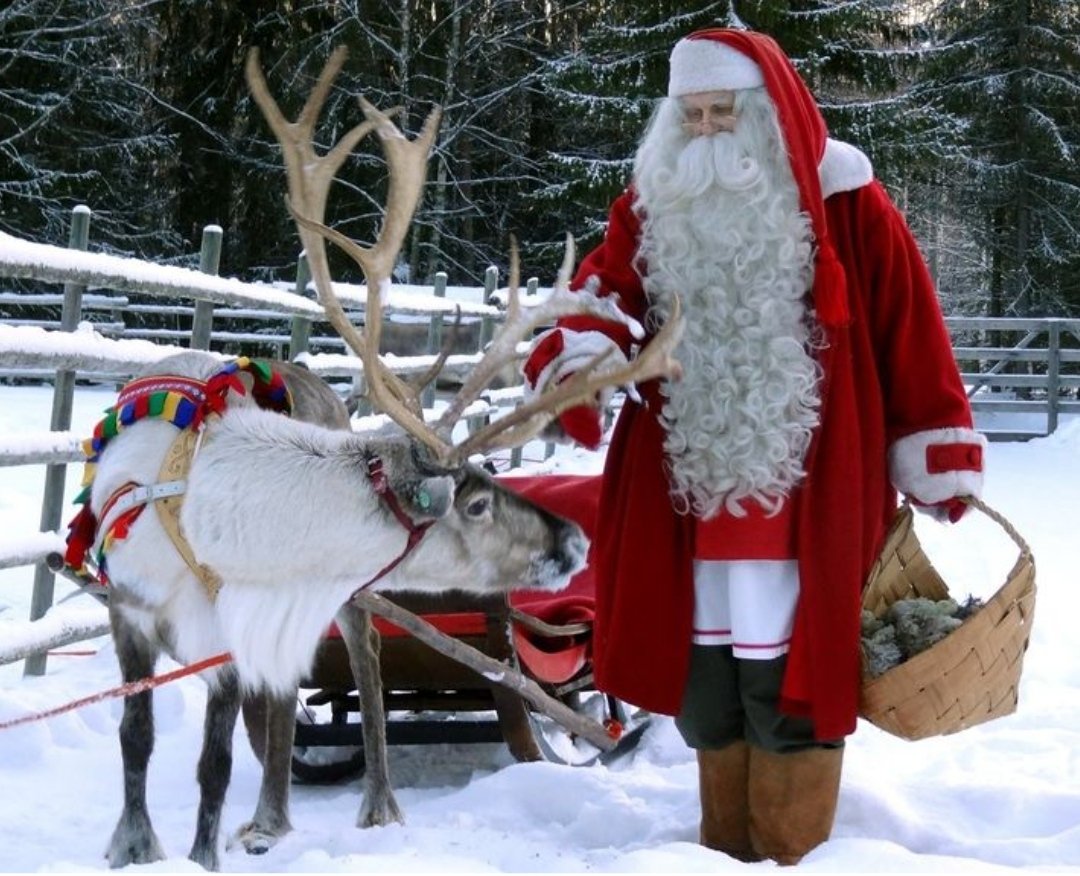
{"points": [[432, 698]]}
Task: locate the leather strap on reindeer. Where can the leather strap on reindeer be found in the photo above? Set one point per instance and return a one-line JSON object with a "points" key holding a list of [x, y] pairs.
{"points": [[175, 469], [381, 484]]}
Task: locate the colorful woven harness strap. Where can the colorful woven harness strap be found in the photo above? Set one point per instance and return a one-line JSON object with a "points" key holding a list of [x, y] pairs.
{"points": [[186, 403]]}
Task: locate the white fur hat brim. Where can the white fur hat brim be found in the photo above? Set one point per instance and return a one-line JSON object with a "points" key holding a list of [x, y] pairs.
{"points": [[709, 65]]}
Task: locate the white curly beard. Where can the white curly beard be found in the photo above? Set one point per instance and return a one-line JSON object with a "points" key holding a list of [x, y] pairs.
{"points": [[724, 231]]}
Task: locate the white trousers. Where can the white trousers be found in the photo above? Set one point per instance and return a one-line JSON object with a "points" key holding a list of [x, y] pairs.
{"points": [[748, 604]]}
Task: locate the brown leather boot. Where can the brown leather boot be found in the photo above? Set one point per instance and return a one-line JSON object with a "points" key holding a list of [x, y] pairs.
{"points": [[792, 800], [722, 777]]}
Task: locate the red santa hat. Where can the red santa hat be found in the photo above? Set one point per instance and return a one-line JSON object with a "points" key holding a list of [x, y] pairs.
{"points": [[724, 59]]}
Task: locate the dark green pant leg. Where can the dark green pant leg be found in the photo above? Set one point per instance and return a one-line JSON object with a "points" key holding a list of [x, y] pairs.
{"points": [[712, 714], [766, 726], [728, 699]]}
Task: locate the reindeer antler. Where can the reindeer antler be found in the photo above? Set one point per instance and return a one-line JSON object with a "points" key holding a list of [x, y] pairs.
{"points": [[309, 178]]}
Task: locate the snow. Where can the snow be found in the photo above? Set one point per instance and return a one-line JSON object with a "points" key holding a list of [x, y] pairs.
{"points": [[84, 341], [23, 257], [1002, 796]]}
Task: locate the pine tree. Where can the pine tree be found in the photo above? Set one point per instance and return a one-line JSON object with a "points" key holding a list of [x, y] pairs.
{"points": [[1009, 73], [480, 62], [73, 126], [602, 84]]}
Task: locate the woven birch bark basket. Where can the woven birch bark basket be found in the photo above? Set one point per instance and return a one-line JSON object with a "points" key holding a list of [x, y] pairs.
{"points": [[970, 676]]}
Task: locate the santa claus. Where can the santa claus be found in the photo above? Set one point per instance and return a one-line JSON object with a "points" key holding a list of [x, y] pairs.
{"points": [[743, 504]]}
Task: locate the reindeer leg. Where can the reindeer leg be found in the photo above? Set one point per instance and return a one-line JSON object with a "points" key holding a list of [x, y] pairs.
{"points": [[271, 819], [361, 640], [134, 841], [215, 765]]}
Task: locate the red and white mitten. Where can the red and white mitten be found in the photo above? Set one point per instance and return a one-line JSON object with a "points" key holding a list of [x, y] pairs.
{"points": [[557, 355], [938, 467]]}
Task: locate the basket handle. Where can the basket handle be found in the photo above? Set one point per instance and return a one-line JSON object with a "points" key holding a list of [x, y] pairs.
{"points": [[1025, 549]]}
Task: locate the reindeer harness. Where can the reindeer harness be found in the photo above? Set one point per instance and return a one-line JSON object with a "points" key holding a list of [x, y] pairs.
{"points": [[186, 403]]}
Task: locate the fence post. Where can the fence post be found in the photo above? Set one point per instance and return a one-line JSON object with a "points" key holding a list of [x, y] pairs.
{"points": [[435, 338], [52, 502], [209, 260], [487, 332], [1053, 372], [300, 335], [487, 324], [513, 378]]}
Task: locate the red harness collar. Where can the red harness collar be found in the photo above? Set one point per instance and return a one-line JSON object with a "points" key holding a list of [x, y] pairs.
{"points": [[416, 531]]}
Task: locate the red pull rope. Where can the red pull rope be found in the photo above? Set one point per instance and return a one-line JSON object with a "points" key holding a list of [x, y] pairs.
{"points": [[125, 690]]}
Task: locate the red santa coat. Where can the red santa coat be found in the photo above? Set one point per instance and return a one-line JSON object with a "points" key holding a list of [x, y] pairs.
{"points": [[888, 375]]}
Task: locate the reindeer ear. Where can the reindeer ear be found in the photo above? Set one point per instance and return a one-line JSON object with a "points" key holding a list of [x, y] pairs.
{"points": [[424, 491]]}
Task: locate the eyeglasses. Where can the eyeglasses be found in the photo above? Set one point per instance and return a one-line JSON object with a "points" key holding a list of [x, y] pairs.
{"points": [[708, 112]]}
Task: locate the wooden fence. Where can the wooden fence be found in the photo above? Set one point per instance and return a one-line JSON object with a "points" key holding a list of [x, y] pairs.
{"points": [[59, 353], [1022, 375]]}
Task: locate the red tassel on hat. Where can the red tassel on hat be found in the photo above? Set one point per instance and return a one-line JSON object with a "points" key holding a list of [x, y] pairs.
{"points": [[830, 287]]}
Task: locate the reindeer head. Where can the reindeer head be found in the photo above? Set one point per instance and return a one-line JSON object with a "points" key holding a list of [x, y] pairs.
{"points": [[479, 509]]}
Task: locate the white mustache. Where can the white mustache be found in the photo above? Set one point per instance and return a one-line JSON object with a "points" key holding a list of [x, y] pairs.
{"points": [[714, 160]]}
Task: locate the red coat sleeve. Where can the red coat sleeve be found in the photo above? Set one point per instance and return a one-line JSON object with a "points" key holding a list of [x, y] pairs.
{"points": [[612, 263], [921, 386]]}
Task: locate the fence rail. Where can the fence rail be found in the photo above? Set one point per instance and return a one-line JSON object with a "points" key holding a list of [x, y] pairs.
{"points": [[1013, 366]]}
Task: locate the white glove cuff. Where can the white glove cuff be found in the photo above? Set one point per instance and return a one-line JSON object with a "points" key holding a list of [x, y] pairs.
{"points": [[912, 475]]}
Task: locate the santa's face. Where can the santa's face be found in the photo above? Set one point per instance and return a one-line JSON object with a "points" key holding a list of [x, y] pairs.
{"points": [[708, 112], [700, 144]]}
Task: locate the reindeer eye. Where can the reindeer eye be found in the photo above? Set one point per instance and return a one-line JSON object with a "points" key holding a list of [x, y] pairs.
{"points": [[478, 507]]}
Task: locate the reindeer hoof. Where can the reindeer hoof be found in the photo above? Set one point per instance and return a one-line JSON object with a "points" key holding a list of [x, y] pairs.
{"points": [[378, 814], [205, 858], [133, 843], [256, 840]]}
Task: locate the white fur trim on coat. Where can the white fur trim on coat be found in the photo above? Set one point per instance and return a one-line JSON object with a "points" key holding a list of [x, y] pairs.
{"points": [[843, 168], [579, 349], [709, 65], [909, 473]]}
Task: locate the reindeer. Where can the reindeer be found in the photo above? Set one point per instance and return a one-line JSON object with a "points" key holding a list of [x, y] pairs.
{"points": [[277, 521]]}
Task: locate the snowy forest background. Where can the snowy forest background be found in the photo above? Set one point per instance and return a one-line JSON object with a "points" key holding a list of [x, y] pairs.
{"points": [[969, 110]]}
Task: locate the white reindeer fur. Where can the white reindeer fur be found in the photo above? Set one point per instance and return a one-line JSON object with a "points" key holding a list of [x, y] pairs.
{"points": [[290, 541], [285, 514]]}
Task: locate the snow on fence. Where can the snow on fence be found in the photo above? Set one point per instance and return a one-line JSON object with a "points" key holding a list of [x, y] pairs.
{"points": [[76, 348]]}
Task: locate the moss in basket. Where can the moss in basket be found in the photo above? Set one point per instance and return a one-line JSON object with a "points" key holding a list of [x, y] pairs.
{"points": [[879, 645], [908, 627]]}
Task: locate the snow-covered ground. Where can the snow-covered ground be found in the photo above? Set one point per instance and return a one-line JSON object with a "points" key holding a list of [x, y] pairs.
{"points": [[1001, 796]]}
